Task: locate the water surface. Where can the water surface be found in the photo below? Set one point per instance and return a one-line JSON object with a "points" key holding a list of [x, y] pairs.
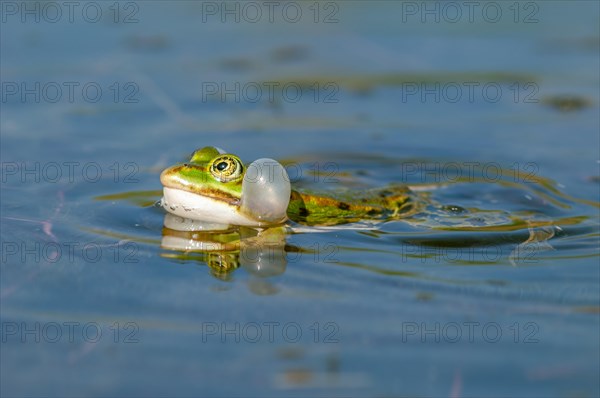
{"points": [[492, 290]]}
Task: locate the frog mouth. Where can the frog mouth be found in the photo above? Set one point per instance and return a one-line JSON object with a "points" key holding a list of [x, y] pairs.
{"points": [[204, 208], [208, 194], [180, 200], [170, 178]]}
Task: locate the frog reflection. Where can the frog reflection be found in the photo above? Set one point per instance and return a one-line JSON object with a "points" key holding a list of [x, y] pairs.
{"points": [[225, 248]]}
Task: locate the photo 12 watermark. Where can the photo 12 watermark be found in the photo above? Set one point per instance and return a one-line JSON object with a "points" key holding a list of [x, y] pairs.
{"points": [[518, 254], [68, 172], [451, 12], [81, 92], [269, 92], [270, 332], [35, 252], [70, 12], [69, 332], [271, 12], [258, 253], [469, 92], [450, 172], [469, 332]]}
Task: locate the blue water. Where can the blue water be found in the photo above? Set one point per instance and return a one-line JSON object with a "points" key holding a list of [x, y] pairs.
{"points": [[92, 304]]}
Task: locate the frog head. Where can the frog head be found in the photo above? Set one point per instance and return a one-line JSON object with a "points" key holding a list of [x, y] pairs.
{"points": [[215, 186]]}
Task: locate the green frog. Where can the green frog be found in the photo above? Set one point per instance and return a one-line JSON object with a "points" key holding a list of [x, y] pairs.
{"points": [[216, 187]]}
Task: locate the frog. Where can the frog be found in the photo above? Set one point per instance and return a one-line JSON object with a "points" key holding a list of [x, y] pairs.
{"points": [[215, 186]]}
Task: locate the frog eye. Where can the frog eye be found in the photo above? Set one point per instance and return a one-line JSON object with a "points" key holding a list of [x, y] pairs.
{"points": [[226, 168]]}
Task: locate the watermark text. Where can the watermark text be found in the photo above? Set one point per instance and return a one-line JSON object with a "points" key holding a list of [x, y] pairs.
{"points": [[68, 172], [53, 252], [254, 332], [291, 12], [51, 92], [469, 332], [72, 12], [518, 12], [69, 332]]}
